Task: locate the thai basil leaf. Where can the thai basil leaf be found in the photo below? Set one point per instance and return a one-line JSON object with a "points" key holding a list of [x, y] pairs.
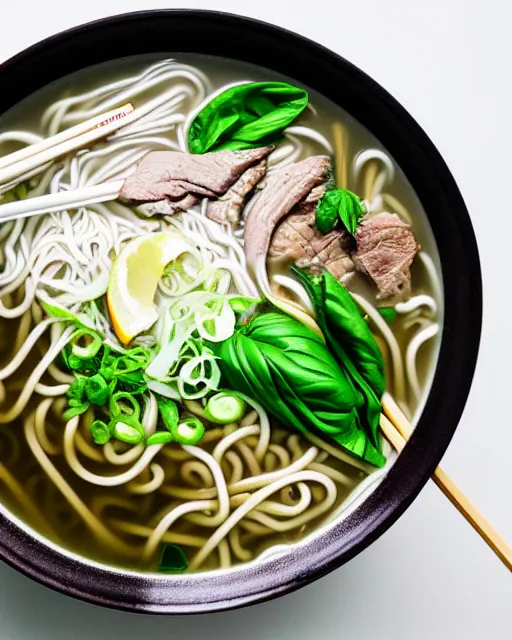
{"points": [[339, 203], [327, 211], [289, 370], [351, 342], [246, 116]]}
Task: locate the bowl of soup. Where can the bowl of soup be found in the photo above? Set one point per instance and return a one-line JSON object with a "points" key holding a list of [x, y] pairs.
{"points": [[239, 250]]}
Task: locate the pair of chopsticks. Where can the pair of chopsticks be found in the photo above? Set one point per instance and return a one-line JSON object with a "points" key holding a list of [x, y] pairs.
{"points": [[397, 429], [40, 153], [37, 155]]}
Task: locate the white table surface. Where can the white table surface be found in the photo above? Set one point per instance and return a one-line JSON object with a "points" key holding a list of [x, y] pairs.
{"points": [[449, 63]]}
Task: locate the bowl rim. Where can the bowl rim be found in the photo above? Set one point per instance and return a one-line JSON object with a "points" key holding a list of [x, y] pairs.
{"points": [[310, 63]]}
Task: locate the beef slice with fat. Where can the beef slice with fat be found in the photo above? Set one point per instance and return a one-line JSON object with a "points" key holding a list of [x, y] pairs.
{"points": [[284, 189], [297, 239], [385, 249], [175, 175], [228, 207]]}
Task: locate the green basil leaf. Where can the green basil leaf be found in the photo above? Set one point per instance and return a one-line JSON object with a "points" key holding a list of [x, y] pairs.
{"points": [[246, 116], [289, 370], [327, 211], [342, 203], [351, 342]]}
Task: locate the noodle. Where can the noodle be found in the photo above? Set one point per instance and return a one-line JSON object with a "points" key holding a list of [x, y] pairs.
{"points": [[250, 486]]}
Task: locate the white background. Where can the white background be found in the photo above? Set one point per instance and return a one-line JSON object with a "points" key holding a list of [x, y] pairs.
{"points": [[449, 63]]}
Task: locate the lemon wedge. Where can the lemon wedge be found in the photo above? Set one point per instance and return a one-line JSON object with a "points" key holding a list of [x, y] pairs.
{"points": [[134, 279]]}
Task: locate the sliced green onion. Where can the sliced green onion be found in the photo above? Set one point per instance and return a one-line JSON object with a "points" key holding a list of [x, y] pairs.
{"points": [[107, 372], [189, 431], [198, 376], [89, 350], [173, 559], [77, 363], [76, 390], [100, 432], [133, 383], [169, 412], [75, 410], [116, 407], [164, 389], [126, 428], [124, 364], [224, 408], [160, 437], [97, 389], [217, 325], [54, 311], [141, 354]]}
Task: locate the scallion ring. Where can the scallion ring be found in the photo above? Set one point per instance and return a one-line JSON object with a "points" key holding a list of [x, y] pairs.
{"points": [[100, 432], [97, 389], [126, 428], [93, 343], [160, 437], [189, 431], [224, 408], [116, 407]]}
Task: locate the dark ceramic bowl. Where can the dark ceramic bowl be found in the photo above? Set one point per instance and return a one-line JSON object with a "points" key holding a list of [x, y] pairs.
{"points": [[271, 47]]}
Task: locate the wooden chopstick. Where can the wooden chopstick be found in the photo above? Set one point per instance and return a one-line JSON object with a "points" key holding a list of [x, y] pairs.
{"points": [[36, 155], [397, 429]]}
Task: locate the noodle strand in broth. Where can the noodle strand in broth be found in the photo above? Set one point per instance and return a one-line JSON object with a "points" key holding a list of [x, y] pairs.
{"points": [[249, 486]]}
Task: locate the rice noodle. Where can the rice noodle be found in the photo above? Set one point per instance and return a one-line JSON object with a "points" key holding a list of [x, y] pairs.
{"points": [[103, 481], [96, 526], [413, 347], [253, 501], [247, 486]]}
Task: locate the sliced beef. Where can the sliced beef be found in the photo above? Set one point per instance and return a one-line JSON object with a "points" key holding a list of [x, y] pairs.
{"points": [[297, 239], [385, 249], [174, 175], [167, 207], [308, 205], [227, 209], [284, 189]]}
